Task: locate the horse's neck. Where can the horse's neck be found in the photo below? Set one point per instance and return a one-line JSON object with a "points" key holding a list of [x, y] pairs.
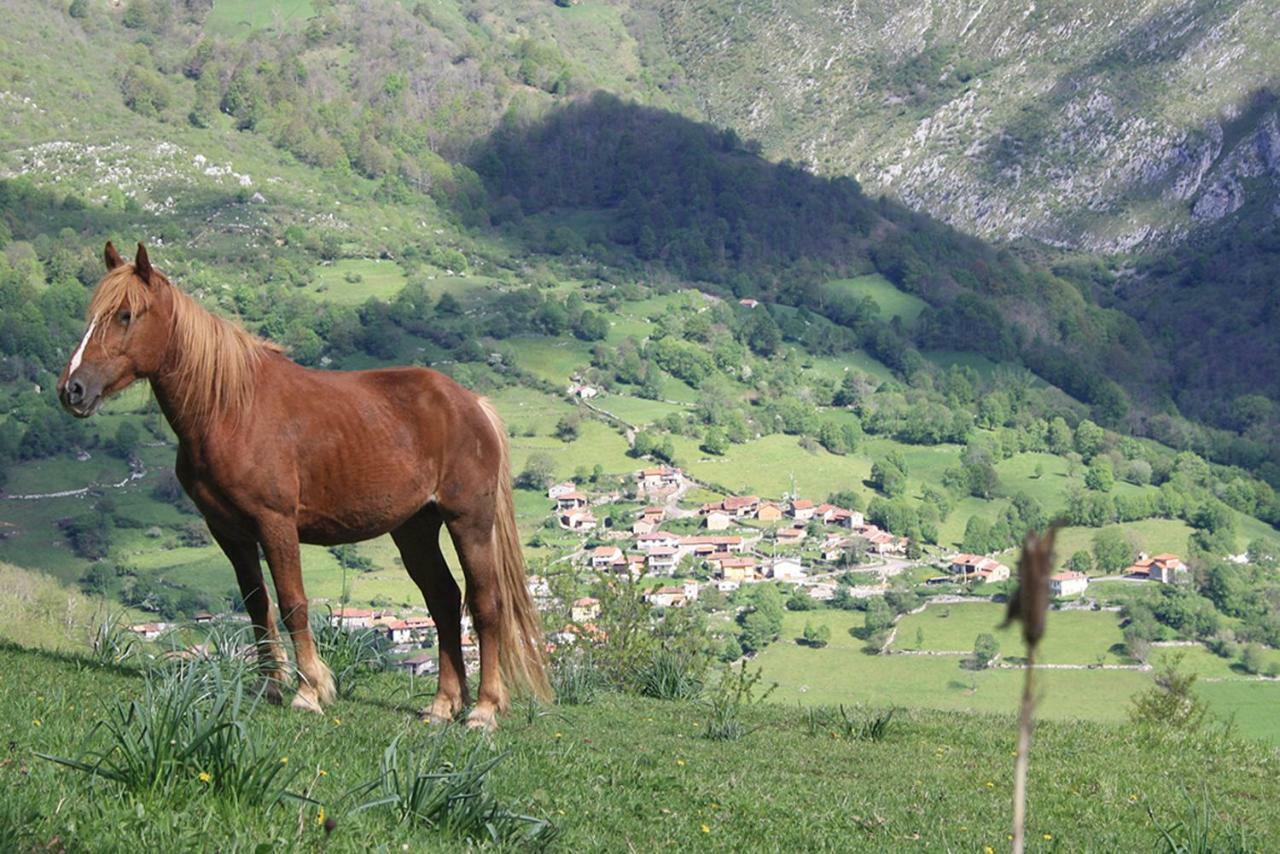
{"points": [[169, 393]]}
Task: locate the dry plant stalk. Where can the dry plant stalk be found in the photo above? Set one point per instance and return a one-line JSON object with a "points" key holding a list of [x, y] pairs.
{"points": [[1029, 605]]}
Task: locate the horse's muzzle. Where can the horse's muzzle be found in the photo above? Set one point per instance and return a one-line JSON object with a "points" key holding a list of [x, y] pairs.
{"points": [[80, 395]]}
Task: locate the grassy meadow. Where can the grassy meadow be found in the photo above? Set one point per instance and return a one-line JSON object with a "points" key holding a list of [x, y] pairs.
{"points": [[627, 771]]}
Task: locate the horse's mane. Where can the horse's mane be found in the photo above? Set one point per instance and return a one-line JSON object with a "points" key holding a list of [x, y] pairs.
{"points": [[214, 359]]}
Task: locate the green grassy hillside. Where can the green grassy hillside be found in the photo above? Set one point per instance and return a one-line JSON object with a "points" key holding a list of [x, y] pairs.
{"points": [[627, 770]]}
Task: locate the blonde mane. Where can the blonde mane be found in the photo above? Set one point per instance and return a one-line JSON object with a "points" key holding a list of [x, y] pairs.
{"points": [[214, 359]]}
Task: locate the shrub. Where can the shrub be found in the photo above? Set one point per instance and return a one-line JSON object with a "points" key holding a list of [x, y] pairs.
{"points": [[1170, 705], [862, 723], [111, 644]]}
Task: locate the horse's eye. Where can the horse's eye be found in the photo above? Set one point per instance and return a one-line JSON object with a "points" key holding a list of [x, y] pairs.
{"points": [[125, 317]]}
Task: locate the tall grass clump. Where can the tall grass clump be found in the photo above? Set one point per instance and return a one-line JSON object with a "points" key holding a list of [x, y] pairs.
{"points": [[349, 653], [111, 643], [185, 732], [575, 678], [1201, 831], [861, 723], [669, 674], [736, 690], [443, 786]]}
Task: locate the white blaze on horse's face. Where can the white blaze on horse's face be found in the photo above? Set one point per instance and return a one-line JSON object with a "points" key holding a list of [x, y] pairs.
{"points": [[79, 353]]}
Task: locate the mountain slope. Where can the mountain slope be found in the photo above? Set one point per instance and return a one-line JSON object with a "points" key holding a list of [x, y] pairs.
{"points": [[1082, 124]]}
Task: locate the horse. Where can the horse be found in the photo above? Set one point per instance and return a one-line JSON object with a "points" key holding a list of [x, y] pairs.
{"points": [[274, 454]]}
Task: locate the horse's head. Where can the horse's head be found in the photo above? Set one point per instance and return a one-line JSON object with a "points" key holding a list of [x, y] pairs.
{"points": [[126, 338]]}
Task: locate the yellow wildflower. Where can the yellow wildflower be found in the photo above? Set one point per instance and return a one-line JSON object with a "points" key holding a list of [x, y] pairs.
{"points": [[320, 817], [559, 735], [1048, 837], [36, 722], [323, 773], [680, 762], [284, 760], [206, 777], [706, 829], [987, 849], [990, 785]]}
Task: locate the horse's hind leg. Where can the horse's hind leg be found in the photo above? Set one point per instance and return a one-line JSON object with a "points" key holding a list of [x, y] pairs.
{"points": [[419, 544], [473, 537], [280, 542], [243, 554]]}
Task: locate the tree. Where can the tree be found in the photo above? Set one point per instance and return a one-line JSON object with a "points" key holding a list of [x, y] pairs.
{"points": [[1090, 439], [539, 472], [1081, 561], [1100, 476], [816, 636], [879, 616], [985, 650], [715, 442], [1252, 659], [888, 477], [1060, 439], [126, 440], [567, 427], [1112, 550]]}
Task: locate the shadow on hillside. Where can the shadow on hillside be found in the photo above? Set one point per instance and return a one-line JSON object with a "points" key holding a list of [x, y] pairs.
{"points": [[69, 659]]}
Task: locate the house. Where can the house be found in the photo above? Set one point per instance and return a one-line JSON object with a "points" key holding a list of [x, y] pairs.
{"points": [[538, 586], [769, 511], [149, 631], [643, 526], [202, 616], [790, 536], [662, 561], [717, 520], [421, 629], [570, 501], [397, 631], [653, 514], [741, 506], [1068, 583], [351, 618], [667, 597], [784, 569], [660, 480], [657, 540], [584, 392], [739, 569], [1164, 568], [561, 489], [834, 547], [829, 514], [580, 519], [883, 543], [706, 545], [422, 664], [978, 568], [748, 302], [602, 557], [585, 609], [801, 509], [691, 589], [850, 519]]}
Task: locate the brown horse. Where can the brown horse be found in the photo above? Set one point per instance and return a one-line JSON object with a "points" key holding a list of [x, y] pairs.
{"points": [[275, 454]]}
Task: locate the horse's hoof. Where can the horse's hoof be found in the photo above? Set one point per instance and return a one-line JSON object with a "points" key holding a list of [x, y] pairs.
{"points": [[483, 720], [303, 703]]}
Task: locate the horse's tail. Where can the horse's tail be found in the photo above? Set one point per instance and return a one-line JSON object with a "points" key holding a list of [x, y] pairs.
{"points": [[522, 653]]}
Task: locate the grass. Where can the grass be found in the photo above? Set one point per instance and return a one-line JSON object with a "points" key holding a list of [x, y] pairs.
{"points": [[380, 280], [892, 301], [628, 772], [1074, 637], [238, 18], [843, 673]]}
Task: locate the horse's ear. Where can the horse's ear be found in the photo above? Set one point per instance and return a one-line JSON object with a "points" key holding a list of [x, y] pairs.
{"points": [[142, 264], [111, 256]]}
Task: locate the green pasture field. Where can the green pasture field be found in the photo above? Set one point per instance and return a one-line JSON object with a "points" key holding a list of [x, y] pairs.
{"points": [[1072, 637], [842, 673], [380, 280], [892, 301], [239, 18]]}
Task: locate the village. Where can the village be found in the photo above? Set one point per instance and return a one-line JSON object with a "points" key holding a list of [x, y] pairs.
{"points": [[810, 547]]}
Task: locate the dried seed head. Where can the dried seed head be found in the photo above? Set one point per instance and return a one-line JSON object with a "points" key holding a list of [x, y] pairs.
{"points": [[1029, 603]]}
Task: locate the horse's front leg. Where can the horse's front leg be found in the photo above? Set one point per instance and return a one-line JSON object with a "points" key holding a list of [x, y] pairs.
{"points": [[243, 554], [279, 537]]}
